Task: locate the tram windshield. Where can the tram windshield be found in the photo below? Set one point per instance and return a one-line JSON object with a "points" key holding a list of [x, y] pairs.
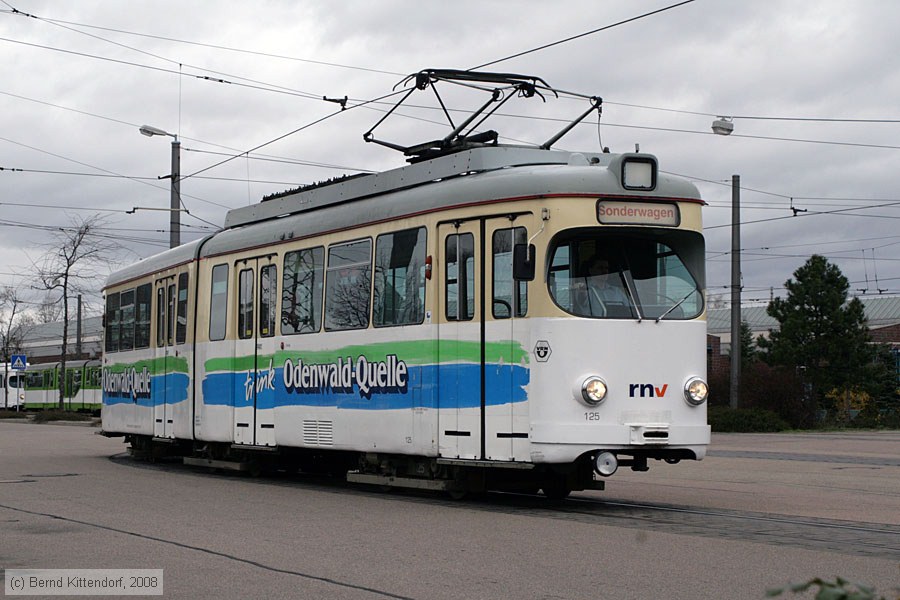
{"points": [[622, 274]]}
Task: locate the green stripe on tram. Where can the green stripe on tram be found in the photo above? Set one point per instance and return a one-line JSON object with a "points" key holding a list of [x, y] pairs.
{"points": [[156, 366], [420, 352]]}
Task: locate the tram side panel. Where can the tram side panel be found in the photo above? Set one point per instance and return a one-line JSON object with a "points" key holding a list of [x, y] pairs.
{"points": [[147, 357], [334, 381], [128, 361], [41, 387], [375, 396], [214, 376]]}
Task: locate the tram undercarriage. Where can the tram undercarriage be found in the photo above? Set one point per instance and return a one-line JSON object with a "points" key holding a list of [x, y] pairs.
{"points": [[457, 477]]}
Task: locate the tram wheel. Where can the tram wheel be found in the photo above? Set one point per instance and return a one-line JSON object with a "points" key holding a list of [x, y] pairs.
{"points": [[556, 488], [458, 494]]}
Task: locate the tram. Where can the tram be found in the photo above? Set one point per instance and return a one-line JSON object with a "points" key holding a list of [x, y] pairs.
{"points": [[37, 387], [81, 391], [486, 317], [12, 393]]}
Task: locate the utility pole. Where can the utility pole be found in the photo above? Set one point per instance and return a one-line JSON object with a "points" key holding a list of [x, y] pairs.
{"points": [[78, 331], [6, 377], [175, 190], [735, 290], [175, 196]]}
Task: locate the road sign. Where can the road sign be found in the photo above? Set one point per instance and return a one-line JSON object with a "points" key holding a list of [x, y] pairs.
{"points": [[18, 362]]}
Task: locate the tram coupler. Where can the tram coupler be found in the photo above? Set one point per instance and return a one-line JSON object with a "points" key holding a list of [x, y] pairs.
{"points": [[637, 463]]}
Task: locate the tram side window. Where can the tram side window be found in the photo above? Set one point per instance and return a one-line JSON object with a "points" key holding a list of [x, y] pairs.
{"points": [[94, 376], [301, 291], [161, 317], [143, 296], [35, 379], [400, 278], [245, 304], [170, 298], [348, 286], [181, 319], [460, 277], [126, 335], [510, 297], [73, 382], [113, 317], [218, 303], [268, 299]]}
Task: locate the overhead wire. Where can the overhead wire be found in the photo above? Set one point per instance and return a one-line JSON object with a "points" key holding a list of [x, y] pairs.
{"points": [[581, 35], [90, 166], [273, 87], [134, 177], [398, 74], [220, 47], [297, 130], [594, 31]]}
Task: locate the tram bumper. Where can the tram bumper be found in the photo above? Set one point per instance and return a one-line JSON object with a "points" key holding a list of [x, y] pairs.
{"points": [[564, 443]]}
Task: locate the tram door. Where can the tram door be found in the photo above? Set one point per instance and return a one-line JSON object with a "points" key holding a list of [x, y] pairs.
{"points": [[481, 375], [506, 344], [165, 355], [254, 355]]}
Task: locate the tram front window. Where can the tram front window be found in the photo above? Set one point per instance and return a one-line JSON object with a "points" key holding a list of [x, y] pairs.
{"points": [[628, 274]]}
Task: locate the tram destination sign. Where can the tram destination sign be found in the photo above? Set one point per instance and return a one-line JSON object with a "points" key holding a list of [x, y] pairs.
{"points": [[617, 212]]}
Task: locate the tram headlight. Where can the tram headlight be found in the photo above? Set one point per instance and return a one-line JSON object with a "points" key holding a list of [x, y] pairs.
{"points": [[593, 390], [695, 391]]}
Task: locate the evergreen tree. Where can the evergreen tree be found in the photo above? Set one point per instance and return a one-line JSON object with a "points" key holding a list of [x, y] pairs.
{"points": [[821, 335], [748, 346]]}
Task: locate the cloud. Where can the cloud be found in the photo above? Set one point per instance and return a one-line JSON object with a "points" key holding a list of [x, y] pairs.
{"points": [[78, 108]]}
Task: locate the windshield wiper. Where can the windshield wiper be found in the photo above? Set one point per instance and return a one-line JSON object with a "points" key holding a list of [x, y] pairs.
{"points": [[626, 275], [677, 304]]}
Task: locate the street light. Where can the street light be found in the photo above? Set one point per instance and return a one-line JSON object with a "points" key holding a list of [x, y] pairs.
{"points": [[724, 126], [174, 176]]}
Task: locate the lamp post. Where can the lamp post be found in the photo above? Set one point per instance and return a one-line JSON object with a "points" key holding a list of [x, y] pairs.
{"points": [[724, 126], [735, 290], [174, 176]]}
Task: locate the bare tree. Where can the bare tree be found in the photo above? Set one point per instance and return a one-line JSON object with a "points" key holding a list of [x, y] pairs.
{"points": [[49, 310], [14, 323], [72, 266]]}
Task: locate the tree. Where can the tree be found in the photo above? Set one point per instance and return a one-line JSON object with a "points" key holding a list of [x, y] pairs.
{"points": [[70, 267], [821, 334], [48, 310], [14, 323], [748, 346]]}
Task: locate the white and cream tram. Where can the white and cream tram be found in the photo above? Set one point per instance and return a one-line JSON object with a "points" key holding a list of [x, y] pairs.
{"points": [[490, 318]]}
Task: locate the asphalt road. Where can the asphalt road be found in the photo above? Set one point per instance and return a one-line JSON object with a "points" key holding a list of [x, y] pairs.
{"points": [[760, 511]]}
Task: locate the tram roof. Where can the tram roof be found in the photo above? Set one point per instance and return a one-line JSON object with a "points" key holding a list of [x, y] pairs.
{"points": [[462, 178], [466, 162]]}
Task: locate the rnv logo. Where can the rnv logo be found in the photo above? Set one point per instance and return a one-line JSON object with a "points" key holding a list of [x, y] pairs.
{"points": [[647, 390]]}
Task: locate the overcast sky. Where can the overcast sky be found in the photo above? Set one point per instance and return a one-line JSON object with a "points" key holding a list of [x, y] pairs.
{"points": [[77, 81]]}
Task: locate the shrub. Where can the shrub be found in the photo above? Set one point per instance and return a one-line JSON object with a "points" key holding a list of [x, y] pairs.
{"points": [[839, 589], [46, 416], [11, 413]]}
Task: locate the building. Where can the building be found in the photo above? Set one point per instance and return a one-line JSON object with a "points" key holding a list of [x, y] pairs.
{"points": [[882, 314], [43, 343]]}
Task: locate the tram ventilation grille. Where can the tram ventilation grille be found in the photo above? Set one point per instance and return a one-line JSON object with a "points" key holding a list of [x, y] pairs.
{"points": [[318, 433]]}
